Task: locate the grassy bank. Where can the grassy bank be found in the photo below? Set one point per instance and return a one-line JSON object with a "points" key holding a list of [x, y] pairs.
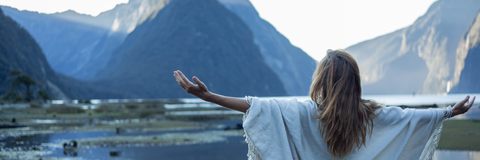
{"points": [[150, 117], [146, 116], [460, 135]]}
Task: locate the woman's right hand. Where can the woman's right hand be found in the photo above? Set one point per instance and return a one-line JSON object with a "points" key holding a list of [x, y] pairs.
{"points": [[199, 90], [463, 106]]}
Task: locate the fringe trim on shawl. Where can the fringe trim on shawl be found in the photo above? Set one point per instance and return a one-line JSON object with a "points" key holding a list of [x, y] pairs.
{"points": [[252, 151], [432, 143]]}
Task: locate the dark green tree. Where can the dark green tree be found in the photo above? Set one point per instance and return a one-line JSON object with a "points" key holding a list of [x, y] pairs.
{"points": [[44, 96], [15, 73], [26, 81], [19, 80], [11, 96]]}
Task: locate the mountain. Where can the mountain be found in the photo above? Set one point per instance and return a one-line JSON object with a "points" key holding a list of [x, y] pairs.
{"points": [[78, 45], [71, 48], [293, 66], [123, 18], [468, 56], [201, 38], [19, 51], [419, 58], [70, 15]]}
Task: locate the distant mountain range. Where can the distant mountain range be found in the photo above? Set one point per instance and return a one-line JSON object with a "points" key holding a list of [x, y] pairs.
{"points": [[420, 58], [123, 18], [131, 50], [82, 58]]}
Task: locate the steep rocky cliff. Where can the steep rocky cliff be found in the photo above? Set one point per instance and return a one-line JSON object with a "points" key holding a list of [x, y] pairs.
{"points": [[419, 58], [468, 56]]}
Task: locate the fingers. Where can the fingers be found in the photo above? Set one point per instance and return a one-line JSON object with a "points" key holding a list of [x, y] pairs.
{"points": [[462, 102], [185, 83], [200, 83], [470, 104], [179, 79], [185, 79]]}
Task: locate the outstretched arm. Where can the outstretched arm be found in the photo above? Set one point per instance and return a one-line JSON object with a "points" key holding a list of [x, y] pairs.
{"points": [[200, 90], [462, 106]]}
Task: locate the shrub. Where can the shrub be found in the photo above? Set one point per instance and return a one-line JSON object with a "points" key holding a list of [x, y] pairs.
{"points": [[107, 108], [35, 105], [131, 106], [64, 109], [144, 113]]}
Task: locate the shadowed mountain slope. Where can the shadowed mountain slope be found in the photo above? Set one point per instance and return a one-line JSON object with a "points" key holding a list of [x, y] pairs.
{"points": [[71, 48], [78, 45], [19, 51], [293, 66]]}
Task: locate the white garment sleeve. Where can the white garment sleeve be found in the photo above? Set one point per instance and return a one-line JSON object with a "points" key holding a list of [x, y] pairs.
{"points": [[406, 134], [265, 129]]}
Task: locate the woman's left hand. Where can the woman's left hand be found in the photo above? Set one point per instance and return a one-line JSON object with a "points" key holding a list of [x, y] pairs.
{"points": [[463, 106]]}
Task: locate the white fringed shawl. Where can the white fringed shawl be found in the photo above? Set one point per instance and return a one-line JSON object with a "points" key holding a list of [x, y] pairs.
{"points": [[286, 129]]}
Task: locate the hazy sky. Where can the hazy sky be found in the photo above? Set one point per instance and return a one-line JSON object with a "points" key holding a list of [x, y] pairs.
{"points": [[312, 25]]}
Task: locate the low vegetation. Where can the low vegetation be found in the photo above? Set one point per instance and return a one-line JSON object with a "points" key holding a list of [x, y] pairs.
{"points": [[460, 135], [147, 115], [23, 88], [153, 116]]}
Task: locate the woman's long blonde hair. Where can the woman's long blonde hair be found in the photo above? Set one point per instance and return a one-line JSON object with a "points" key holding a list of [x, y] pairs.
{"points": [[345, 118]]}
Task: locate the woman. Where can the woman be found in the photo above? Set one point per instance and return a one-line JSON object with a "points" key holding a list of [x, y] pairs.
{"points": [[336, 123]]}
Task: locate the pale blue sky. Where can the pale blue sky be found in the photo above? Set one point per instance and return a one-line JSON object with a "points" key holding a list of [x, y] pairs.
{"points": [[312, 25]]}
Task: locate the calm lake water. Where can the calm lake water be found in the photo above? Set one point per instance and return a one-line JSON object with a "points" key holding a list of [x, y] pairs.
{"points": [[233, 147]]}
